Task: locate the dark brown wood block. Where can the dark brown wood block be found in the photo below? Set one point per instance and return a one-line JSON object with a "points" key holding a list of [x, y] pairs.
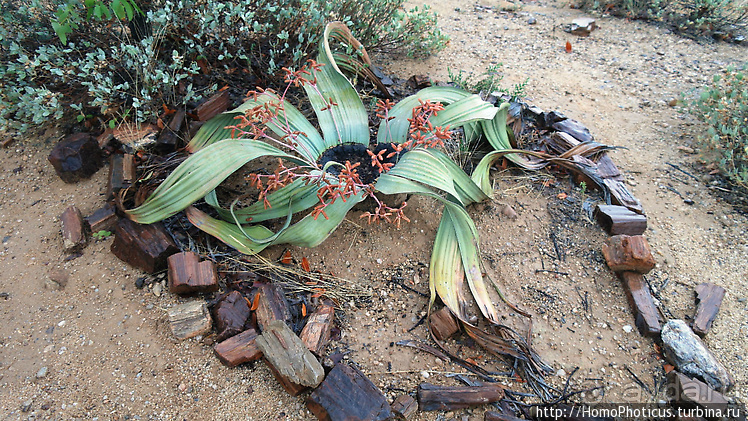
{"points": [[640, 300], [620, 220], [631, 253], [230, 314], [76, 157], [347, 394], [144, 246], [188, 275], [238, 349], [272, 305], [419, 81], [405, 406], [498, 416], [683, 389], [104, 218], [129, 168], [708, 300], [74, 230], [213, 106], [169, 137], [443, 324], [316, 332], [449, 398], [122, 171]]}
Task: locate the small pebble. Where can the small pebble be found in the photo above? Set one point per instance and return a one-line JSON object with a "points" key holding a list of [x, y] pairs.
{"points": [[157, 289], [628, 329], [26, 407], [425, 374], [532, 21], [561, 373], [42, 373]]}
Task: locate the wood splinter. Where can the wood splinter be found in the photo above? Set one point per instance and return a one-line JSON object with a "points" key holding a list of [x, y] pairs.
{"points": [[445, 398], [640, 299], [316, 332], [239, 349], [443, 324], [708, 300], [74, 230]]}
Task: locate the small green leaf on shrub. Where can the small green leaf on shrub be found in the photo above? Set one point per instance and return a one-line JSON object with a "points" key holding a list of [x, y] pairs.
{"points": [[100, 235]]}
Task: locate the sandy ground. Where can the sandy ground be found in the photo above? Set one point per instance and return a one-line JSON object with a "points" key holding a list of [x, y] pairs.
{"points": [[101, 349]]}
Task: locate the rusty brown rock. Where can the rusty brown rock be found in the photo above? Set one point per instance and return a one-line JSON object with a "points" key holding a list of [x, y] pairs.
{"points": [[187, 274], [239, 349], [272, 305], [450, 398], [620, 220], [708, 300], [632, 253], [74, 230]]}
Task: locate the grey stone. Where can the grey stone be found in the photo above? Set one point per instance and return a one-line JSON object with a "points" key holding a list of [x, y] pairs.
{"points": [[26, 406], [688, 354], [288, 354], [42, 373]]}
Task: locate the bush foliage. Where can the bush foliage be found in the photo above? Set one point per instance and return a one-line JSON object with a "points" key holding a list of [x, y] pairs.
{"points": [[120, 59], [721, 19], [723, 106]]}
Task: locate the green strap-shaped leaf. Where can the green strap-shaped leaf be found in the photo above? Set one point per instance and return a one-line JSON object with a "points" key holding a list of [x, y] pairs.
{"points": [[497, 134], [198, 175], [396, 130], [347, 121], [433, 168], [463, 111], [309, 143], [298, 196], [467, 238], [228, 232], [446, 274], [458, 229], [308, 232], [212, 131], [481, 173]]}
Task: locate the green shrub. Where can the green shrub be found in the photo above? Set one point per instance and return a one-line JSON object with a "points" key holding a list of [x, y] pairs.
{"points": [[90, 56], [721, 19], [723, 106], [487, 82]]}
